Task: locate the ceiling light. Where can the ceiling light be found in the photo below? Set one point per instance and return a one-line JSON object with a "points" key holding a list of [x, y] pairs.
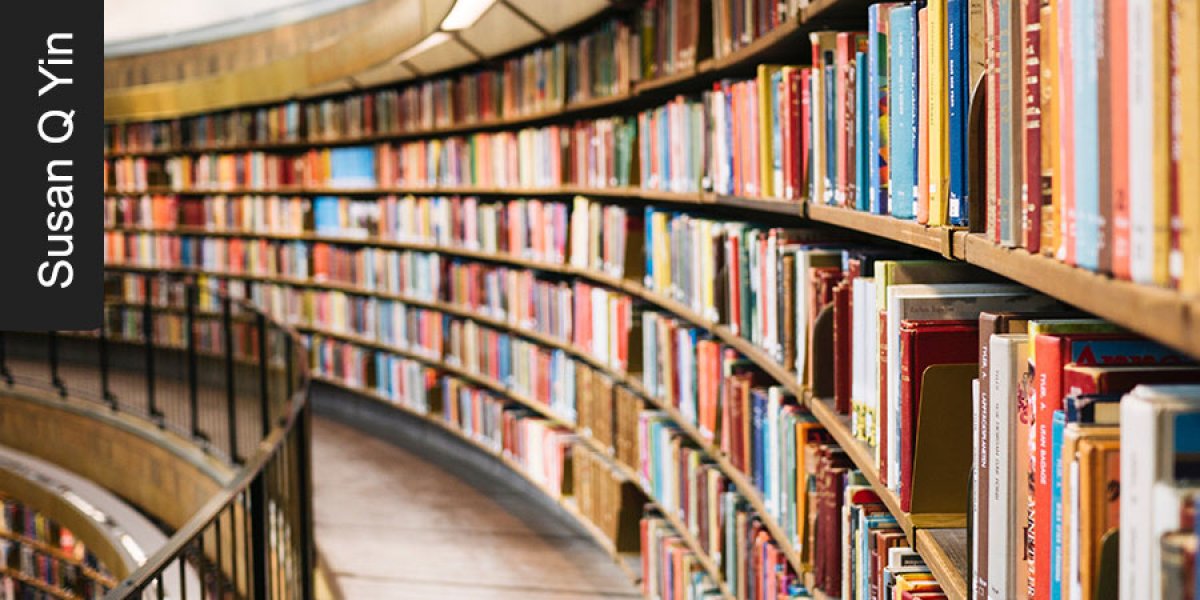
{"points": [[428, 43], [465, 13]]}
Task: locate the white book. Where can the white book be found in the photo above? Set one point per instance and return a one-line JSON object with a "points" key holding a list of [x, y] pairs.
{"points": [[771, 493], [871, 362], [1150, 421], [1141, 140], [859, 357], [1009, 355], [944, 301]]}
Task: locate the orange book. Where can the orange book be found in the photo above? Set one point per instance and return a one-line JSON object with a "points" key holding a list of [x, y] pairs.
{"points": [[1117, 55], [923, 119], [1066, 144]]}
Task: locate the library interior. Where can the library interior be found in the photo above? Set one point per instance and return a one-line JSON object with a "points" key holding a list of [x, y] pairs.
{"points": [[662, 299]]}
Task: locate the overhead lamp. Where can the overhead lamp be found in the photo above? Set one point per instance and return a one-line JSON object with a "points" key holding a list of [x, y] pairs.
{"points": [[465, 13], [430, 41]]}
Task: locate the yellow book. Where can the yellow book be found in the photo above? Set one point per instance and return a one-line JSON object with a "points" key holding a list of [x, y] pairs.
{"points": [[1050, 166], [824, 44], [766, 187], [1162, 140], [1188, 39], [938, 137]]}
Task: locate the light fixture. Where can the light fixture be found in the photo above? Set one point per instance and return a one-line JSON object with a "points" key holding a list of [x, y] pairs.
{"points": [[464, 13], [431, 41]]}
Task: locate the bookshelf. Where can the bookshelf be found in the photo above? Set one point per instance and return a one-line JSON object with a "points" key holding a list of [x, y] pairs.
{"points": [[1163, 314]]}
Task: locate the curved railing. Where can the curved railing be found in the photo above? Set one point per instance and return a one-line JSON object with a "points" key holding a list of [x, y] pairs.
{"points": [[215, 371]]}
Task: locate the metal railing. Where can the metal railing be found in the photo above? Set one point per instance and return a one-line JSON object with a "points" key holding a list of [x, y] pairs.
{"points": [[213, 370]]}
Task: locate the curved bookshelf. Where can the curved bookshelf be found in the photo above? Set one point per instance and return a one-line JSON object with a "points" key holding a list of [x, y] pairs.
{"points": [[747, 489], [1175, 320]]}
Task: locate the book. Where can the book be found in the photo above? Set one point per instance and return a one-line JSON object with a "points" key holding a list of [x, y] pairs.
{"points": [[1156, 422]]}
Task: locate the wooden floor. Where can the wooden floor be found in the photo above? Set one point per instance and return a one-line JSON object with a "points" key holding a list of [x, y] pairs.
{"points": [[392, 525]]}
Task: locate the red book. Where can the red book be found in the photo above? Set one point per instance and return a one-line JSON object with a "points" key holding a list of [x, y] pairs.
{"points": [[1032, 195], [805, 128], [793, 141], [1080, 380], [884, 539], [922, 345], [842, 346]]}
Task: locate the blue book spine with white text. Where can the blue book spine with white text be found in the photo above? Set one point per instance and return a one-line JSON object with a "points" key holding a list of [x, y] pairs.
{"points": [[959, 90], [1056, 486], [902, 82], [862, 151], [1086, 82]]}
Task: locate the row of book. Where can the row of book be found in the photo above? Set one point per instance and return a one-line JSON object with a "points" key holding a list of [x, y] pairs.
{"points": [[596, 320], [599, 63], [525, 228], [37, 548], [1088, 409], [659, 38]]}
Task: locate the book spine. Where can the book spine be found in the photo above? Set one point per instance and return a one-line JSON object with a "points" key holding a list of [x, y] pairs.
{"points": [[924, 113], [1163, 185], [959, 90], [1066, 139], [1056, 499], [1085, 79], [1188, 194], [1048, 244], [937, 127], [1031, 189], [862, 155], [1140, 98], [875, 133], [902, 82], [988, 324], [1048, 360]]}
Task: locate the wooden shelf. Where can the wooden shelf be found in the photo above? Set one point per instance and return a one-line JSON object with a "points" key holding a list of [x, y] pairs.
{"points": [[59, 555], [934, 239], [1163, 314], [41, 586], [945, 551]]}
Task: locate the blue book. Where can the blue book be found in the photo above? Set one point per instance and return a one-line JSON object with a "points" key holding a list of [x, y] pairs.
{"points": [[831, 146], [1085, 78], [758, 410], [862, 155], [325, 214], [648, 247], [352, 166], [776, 135], [1056, 485], [877, 98], [958, 87], [902, 117]]}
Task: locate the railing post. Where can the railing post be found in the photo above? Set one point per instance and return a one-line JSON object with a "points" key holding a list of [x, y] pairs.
{"points": [[193, 374], [303, 432], [258, 535], [55, 380], [230, 390], [148, 343], [263, 373], [8, 377], [287, 362], [105, 391]]}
